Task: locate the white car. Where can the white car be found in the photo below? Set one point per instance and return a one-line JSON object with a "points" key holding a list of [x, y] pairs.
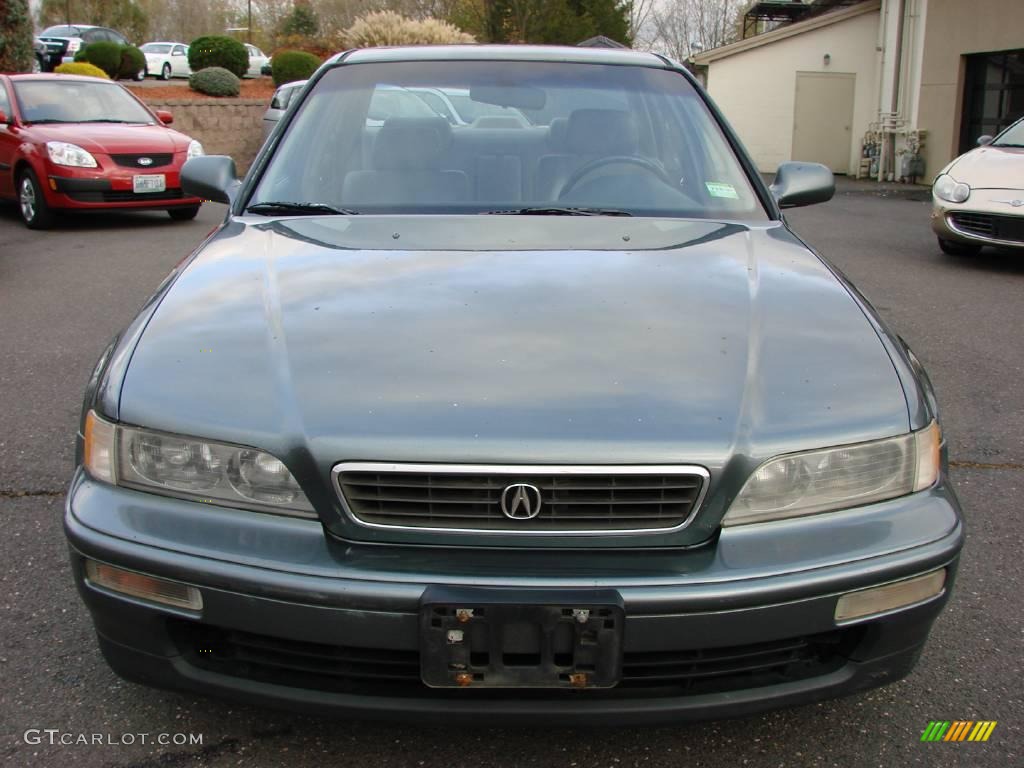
{"points": [[166, 60], [257, 60]]}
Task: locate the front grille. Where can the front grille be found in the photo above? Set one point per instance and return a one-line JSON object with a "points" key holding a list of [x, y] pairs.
{"points": [[595, 499], [132, 161], [108, 196], [383, 672], [991, 226]]}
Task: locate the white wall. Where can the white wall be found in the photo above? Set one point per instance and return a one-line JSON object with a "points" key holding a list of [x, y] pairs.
{"points": [[756, 88]]}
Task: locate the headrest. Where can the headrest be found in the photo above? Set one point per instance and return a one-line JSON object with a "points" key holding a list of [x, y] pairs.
{"points": [[557, 132], [498, 121], [405, 143], [602, 132]]}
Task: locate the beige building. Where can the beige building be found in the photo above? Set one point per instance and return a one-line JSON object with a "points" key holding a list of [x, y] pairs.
{"points": [[891, 88]]}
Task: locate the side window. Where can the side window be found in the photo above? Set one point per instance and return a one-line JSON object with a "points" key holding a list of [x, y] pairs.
{"points": [[92, 36], [280, 100], [436, 103], [396, 102], [5, 104], [179, 50], [116, 37]]}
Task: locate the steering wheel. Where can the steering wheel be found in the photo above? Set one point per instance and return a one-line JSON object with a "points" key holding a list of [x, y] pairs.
{"points": [[594, 165]]}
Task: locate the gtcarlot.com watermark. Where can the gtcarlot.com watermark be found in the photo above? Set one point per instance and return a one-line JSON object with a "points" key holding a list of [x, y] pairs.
{"points": [[57, 737]]}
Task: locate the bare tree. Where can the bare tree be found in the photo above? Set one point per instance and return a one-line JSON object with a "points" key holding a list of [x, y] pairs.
{"points": [[682, 28]]}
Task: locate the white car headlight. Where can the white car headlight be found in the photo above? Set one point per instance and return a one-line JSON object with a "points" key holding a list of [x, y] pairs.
{"points": [[838, 478], [949, 189], [195, 149], [72, 155], [191, 468]]}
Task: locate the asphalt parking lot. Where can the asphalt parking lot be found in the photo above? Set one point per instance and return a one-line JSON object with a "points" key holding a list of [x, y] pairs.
{"points": [[64, 293]]}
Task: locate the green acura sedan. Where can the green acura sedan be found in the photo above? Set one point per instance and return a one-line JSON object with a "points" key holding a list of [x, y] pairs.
{"points": [[546, 416]]}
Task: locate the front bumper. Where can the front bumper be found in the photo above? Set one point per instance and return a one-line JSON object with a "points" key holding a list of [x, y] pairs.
{"points": [[970, 224], [293, 618], [113, 190]]}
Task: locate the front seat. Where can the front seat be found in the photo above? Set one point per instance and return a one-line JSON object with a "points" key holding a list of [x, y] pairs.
{"points": [[590, 134], [407, 166]]}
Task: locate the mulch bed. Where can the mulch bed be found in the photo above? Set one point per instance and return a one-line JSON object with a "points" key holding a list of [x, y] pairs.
{"points": [[261, 88]]}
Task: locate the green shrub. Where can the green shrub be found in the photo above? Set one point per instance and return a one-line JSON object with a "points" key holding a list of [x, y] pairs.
{"points": [[105, 55], [16, 52], [133, 61], [289, 66], [80, 68], [215, 81], [218, 51]]}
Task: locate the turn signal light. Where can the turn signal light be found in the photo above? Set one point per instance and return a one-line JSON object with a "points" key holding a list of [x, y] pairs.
{"points": [[899, 594], [142, 586]]}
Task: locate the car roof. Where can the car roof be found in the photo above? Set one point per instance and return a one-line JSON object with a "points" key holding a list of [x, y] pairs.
{"points": [[75, 26], [163, 42], [503, 53]]}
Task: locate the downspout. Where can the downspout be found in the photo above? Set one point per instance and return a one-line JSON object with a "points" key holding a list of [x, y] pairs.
{"points": [[897, 72], [881, 59]]}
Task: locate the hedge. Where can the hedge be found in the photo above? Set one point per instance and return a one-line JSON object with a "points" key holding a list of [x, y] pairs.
{"points": [[218, 51], [215, 81], [105, 55], [133, 61], [289, 66], [80, 68]]}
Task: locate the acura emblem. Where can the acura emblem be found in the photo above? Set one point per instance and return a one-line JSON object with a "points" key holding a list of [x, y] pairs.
{"points": [[145, 161], [521, 501]]}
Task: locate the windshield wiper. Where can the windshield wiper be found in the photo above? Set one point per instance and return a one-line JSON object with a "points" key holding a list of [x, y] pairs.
{"points": [[299, 209], [48, 120], [1001, 144], [112, 120], [554, 210]]}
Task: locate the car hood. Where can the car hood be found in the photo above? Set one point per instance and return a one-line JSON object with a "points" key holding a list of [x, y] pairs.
{"points": [[990, 168], [389, 339], [113, 138]]}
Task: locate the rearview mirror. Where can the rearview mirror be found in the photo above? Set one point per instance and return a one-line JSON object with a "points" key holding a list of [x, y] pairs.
{"points": [[164, 116], [211, 177], [798, 184], [985, 140]]}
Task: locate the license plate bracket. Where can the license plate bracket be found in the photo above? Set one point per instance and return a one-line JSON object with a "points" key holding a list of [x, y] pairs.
{"points": [[483, 638], [147, 183]]}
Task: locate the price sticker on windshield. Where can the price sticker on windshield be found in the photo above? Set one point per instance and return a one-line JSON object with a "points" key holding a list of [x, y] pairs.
{"points": [[721, 189]]}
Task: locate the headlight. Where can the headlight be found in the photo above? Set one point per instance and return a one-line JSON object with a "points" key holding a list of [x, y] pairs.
{"points": [[63, 153], [190, 468], [838, 478], [949, 189], [195, 149]]}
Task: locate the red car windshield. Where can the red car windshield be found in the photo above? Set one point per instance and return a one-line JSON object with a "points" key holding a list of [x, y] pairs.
{"points": [[77, 101]]}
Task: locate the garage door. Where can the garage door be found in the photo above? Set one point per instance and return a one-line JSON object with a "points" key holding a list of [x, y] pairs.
{"points": [[823, 118]]}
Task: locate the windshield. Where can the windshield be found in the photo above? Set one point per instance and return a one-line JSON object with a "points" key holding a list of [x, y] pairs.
{"points": [[61, 31], [155, 48], [77, 101], [1012, 136], [622, 139]]}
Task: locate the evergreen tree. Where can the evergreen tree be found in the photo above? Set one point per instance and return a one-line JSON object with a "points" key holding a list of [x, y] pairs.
{"points": [[15, 36], [302, 21]]}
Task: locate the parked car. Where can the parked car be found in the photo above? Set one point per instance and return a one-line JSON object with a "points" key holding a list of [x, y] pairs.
{"points": [[47, 55], [278, 104], [166, 60], [257, 60], [68, 39], [70, 143], [978, 199], [550, 425]]}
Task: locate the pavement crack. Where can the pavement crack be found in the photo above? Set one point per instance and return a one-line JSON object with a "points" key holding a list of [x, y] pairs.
{"points": [[1008, 465], [11, 493]]}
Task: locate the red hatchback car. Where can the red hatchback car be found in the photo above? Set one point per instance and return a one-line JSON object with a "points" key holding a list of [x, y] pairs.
{"points": [[82, 143]]}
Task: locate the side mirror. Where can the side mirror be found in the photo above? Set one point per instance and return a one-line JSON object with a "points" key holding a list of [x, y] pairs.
{"points": [[985, 140], [164, 116], [798, 184], [211, 177]]}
